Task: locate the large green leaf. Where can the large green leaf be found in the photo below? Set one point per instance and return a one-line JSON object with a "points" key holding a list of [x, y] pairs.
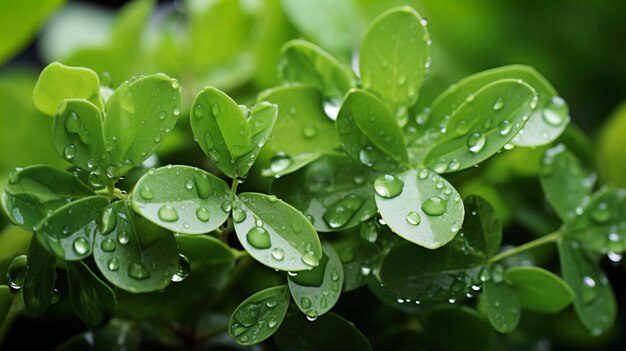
{"points": [[258, 317], [302, 126], [182, 199], [420, 206], [594, 300], [538, 289], [78, 135], [502, 305], [6, 300], [38, 286], [544, 125], [316, 291], [33, 192], [58, 82], [276, 234], [394, 58], [566, 185], [140, 114], [226, 135], [304, 62], [483, 224], [476, 129], [330, 332], [132, 253], [369, 133], [334, 192], [92, 300], [69, 231]]}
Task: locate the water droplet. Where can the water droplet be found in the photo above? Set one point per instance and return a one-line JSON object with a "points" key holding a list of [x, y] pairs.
{"points": [[69, 152], [16, 273], [108, 245], [311, 315], [259, 238], [203, 214], [176, 111], [342, 211], [367, 156], [305, 302], [413, 218], [423, 174], [184, 268], [272, 322], [347, 255], [81, 246], [454, 164], [202, 185], [280, 162], [215, 110], [369, 232], [309, 259], [388, 186], [534, 102], [278, 254], [113, 264], [309, 132], [189, 184], [168, 213], [138, 271], [555, 112], [505, 127], [123, 238], [601, 213], [239, 215], [498, 104], [334, 276], [226, 206], [108, 221], [476, 142], [434, 206]]}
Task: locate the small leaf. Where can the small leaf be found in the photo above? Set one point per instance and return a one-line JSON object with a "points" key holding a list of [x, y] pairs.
{"points": [[316, 291], [394, 58], [565, 183], [301, 126], [258, 317], [482, 221], [476, 130], [182, 199], [330, 332], [420, 206], [502, 305], [594, 300], [275, 234], [78, 135], [68, 232], [132, 253], [34, 191], [334, 192], [544, 125], [6, 300], [58, 82], [304, 62], [92, 300], [140, 114], [538, 289], [38, 286], [369, 133]]}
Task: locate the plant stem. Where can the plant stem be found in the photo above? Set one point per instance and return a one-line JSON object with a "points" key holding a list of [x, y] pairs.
{"points": [[552, 237], [111, 190], [233, 186]]}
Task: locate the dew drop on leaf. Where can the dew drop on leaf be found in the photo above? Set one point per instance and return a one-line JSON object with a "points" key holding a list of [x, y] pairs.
{"points": [[388, 186], [554, 113], [280, 162], [413, 218], [183, 270], [189, 184], [113, 264], [168, 213], [69, 152], [202, 185], [505, 127], [123, 238], [309, 259], [203, 214], [278, 254], [305, 302], [16, 273], [81, 246], [434, 206], [108, 245], [601, 213], [259, 238], [226, 206], [498, 104], [476, 142], [239, 215], [108, 221], [215, 110], [138, 271]]}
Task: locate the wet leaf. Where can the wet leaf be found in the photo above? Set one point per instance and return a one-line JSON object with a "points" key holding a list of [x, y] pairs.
{"points": [[502, 305], [92, 300], [38, 286], [482, 221], [538, 289]]}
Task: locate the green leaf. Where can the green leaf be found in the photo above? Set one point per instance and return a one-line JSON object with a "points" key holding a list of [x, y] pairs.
{"points": [[369, 133], [58, 82], [538, 289], [334, 192], [132, 253], [316, 291], [482, 221], [282, 164], [38, 286], [140, 114], [68, 232], [182, 199], [276, 234], [357, 257], [116, 336], [564, 182], [611, 161], [420, 206], [445, 326], [78, 135], [502, 305], [476, 130], [601, 226], [258, 317], [304, 62], [92, 300], [330, 332], [6, 300], [594, 300], [34, 191], [224, 133], [301, 126], [394, 58], [544, 125]]}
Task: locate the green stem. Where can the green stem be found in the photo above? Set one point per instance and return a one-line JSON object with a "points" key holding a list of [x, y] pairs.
{"points": [[552, 237], [111, 190], [233, 186]]}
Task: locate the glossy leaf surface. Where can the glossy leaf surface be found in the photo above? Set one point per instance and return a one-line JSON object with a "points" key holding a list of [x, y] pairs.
{"points": [[502, 305], [92, 300], [38, 286], [538, 289]]}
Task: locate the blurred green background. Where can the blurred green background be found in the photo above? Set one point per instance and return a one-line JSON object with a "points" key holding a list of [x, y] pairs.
{"points": [[579, 46]]}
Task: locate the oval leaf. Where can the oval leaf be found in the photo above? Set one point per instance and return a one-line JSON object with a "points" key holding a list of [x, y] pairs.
{"points": [[258, 317], [317, 291], [40, 276], [482, 226], [538, 289], [420, 206], [68, 232], [357, 257], [92, 300], [275, 234], [132, 253], [182, 199], [140, 114], [502, 305], [369, 133]]}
